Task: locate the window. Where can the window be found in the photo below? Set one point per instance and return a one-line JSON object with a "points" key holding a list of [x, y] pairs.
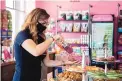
{"points": [[16, 7], [9, 3]]}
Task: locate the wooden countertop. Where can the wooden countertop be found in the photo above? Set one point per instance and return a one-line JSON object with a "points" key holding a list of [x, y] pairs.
{"points": [[8, 63]]}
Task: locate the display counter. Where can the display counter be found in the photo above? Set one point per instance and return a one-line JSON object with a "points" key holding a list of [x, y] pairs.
{"points": [[7, 71]]}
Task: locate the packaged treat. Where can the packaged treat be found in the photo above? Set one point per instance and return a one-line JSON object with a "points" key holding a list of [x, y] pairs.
{"points": [[6, 41], [120, 39], [69, 76], [62, 26], [85, 14], [77, 15], [84, 27], [6, 53], [4, 32], [4, 24], [4, 14], [76, 27], [9, 15], [69, 27], [69, 15], [10, 25], [62, 15]]}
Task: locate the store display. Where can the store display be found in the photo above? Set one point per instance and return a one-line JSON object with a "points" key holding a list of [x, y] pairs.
{"points": [[73, 15], [73, 27], [102, 35], [6, 36], [112, 75], [5, 18], [78, 68], [119, 39], [102, 43]]}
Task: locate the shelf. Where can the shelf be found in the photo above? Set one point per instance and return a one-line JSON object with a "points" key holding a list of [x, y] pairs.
{"points": [[7, 63], [116, 61], [6, 36], [102, 21], [72, 20], [78, 45], [73, 32], [119, 32]]}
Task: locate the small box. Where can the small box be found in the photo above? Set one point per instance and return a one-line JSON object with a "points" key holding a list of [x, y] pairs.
{"points": [[9, 33]]}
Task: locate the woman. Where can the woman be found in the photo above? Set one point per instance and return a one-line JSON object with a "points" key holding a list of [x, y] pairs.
{"points": [[30, 46]]}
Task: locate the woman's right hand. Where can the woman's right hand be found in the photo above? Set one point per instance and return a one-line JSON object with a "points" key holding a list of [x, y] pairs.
{"points": [[58, 37]]}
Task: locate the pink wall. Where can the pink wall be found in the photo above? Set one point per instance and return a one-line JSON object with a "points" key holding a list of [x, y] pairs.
{"points": [[2, 4], [99, 7]]}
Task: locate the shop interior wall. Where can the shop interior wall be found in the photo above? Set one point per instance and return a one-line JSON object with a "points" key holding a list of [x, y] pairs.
{"points": [[2, 4], [99, 7]]}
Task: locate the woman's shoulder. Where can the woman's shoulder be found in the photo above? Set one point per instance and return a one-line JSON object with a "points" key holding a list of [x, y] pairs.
{"points": [[24, 32], [22, 36]]}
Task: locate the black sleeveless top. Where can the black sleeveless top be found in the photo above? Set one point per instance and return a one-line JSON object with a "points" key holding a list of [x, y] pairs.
{"points": [[28, 67]]}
